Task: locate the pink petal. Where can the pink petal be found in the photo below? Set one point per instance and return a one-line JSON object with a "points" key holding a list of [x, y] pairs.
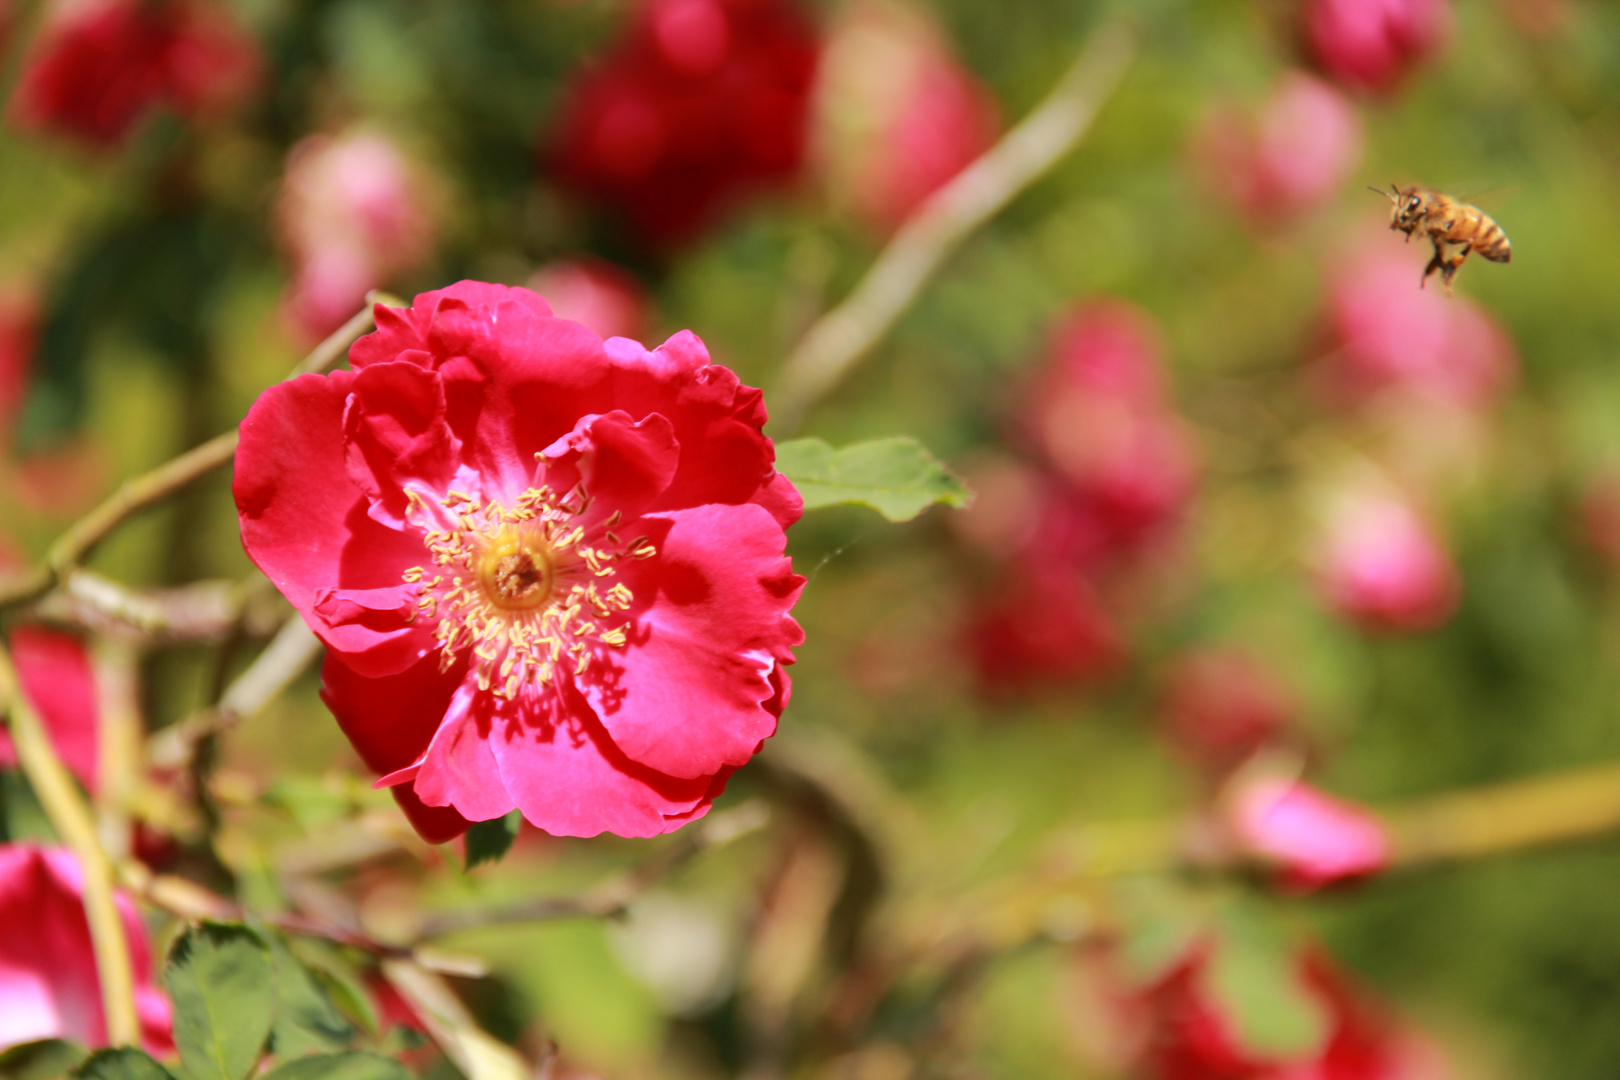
{"points": [[711, 624], [570, 780], [459, 768]]}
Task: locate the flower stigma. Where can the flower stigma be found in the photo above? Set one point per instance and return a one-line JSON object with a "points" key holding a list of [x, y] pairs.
{"points": [[529, 589]]}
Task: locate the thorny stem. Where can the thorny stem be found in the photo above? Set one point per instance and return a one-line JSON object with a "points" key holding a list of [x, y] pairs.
{"points": [[841, 337], [70, 817], [153, 487]]}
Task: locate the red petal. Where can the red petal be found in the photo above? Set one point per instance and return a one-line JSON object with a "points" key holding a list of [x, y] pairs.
{"points": [[305, 523], [55, 673]]}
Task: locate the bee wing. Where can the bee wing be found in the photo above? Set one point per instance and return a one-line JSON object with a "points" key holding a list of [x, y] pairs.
{"points": [[1495, 196]]}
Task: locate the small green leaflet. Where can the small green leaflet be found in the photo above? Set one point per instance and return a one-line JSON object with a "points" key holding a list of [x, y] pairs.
{"points": [[42, 1060], [354, 1065], [124, 1063], [489, 841], [897, 476], [223, 985]]}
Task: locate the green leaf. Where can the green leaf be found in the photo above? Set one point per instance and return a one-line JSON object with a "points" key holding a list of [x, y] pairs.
{"points": [[42, 1060], [124, 1063], [306, 1018], [897, 477], [489, 841], [1256, 976], [223, 984], [354, 1065]]}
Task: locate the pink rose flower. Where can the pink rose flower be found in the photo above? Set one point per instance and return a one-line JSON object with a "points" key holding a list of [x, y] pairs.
{"points": [[1221, 705], [698, 103], [352, 213], [97, 66], [1373, 44], [896, 115], [49, 988], [605, 298], [1312, 839], [1381, 565], [54, 671], [548, 570], [1290, 158]]}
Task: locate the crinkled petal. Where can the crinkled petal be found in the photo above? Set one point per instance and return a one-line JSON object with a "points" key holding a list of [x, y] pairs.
{"points": [[623, 464], [689, 693], [397, 436]]}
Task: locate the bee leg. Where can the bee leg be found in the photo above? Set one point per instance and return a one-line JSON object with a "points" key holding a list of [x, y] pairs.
{"points": [[1451, 266], [1435, 263]]}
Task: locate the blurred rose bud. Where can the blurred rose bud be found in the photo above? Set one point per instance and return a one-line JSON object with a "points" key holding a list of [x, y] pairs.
{"points": [[1221, 705], [1287, 159], [19, 333], [1387, 336], [1380, 564], [1099, 414], [98, 65], [1373, 44], [1311, 839], [1041, 624], [896, 115], [696, 104], [606, 299], [353, 212]]}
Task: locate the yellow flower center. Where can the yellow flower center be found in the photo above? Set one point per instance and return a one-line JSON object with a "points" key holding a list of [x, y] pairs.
{"points": [[522, 586]]}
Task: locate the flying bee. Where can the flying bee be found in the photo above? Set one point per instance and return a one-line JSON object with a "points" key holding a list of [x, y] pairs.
{"points": [[1454, 227]]}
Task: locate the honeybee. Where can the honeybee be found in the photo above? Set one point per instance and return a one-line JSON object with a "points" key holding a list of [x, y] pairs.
{"points": [[1453, 226]]}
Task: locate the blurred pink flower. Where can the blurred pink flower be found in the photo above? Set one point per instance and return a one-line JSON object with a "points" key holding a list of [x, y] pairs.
{"points": [[1387, 336], [1221, 705], [1099, 414], [1372, 44], [1041, 624], [896, 115], [54, 670], [19, 332], [353, 212], [609, 301], [1287, 159], [698, 103], [98, 65], [1193, 1034], [1381, 565], [49, 988], [1310, 838]]}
